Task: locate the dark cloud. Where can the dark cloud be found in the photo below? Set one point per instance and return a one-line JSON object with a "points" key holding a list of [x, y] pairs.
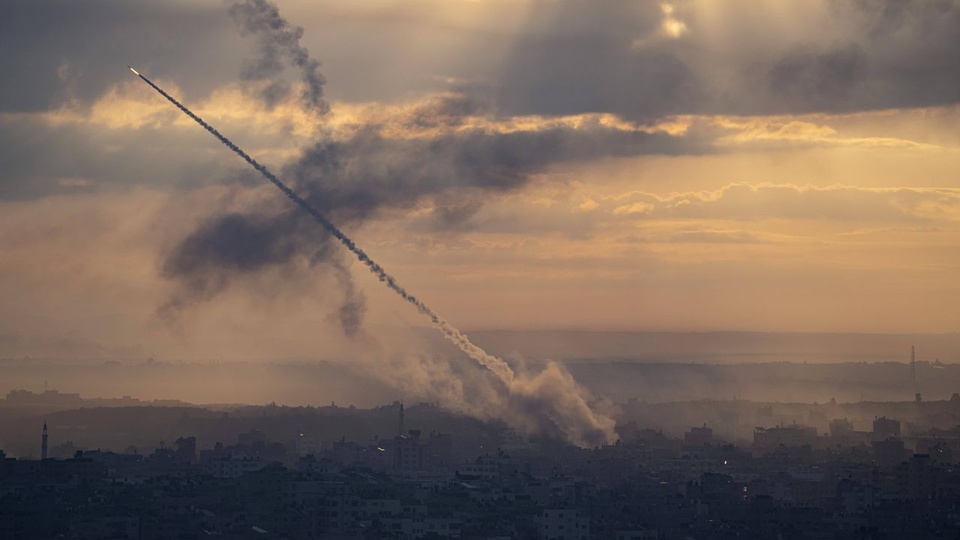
{"points": [[884, 18], [612, 56], [59, 50], [913, 48], [586, 56], [568, 56], [824, 81], [899, 54], [41, 157]]}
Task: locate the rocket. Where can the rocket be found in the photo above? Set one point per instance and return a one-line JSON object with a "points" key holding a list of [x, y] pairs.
{"points": [[135, 72]]}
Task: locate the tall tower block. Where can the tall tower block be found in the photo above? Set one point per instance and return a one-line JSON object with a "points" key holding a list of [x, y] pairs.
{"points": [[43, 442]]}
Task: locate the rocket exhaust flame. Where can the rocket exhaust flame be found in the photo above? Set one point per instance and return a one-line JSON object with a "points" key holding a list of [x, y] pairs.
{"points": [[494, 364]]}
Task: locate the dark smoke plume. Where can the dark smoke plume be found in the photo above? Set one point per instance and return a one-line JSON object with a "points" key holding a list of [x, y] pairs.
{"points": [[354, 306], [356, 177], [352, 179], [235, 242], [279, 44]]}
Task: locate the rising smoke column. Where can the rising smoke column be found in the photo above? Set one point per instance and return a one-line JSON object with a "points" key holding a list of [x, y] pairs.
{"points": [[494, 364], [278, 40]]}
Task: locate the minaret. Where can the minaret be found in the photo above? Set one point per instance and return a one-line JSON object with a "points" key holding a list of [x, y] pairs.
{"points": [[400, 433], [913, 373], [43, 443]]}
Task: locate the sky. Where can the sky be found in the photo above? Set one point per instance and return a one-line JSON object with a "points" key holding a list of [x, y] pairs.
{"points": [[783, 166]]}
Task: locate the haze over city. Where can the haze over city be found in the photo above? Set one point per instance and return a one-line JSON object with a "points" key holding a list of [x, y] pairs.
{"points": [[480, 269]]}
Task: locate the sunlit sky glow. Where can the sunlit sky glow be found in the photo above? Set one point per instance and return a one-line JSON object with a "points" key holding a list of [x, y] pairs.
{"points": [[693, 165]]}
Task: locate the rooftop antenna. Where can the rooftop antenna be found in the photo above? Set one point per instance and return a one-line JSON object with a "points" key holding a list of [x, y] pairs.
{"points": [[400, 434], [913, 373]]}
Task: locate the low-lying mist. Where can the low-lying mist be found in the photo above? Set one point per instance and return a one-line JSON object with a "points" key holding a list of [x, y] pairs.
{"points": [[608, 371]]}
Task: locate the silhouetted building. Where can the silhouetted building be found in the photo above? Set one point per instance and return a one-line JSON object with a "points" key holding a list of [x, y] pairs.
{"points": [[187, 449], [628, 432], [884, 427], [252, 438], [440, 451], [409, 452], [564, 523], [889, 451], [43, 442], [698, 436], [766, 440], [640, 534], [841, 428], [49, 397], [940, 450], [400, 422], [918, 478], [855, 498]]}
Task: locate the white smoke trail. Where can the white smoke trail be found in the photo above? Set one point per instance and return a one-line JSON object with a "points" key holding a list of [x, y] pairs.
{"points": [[494, 364]]}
